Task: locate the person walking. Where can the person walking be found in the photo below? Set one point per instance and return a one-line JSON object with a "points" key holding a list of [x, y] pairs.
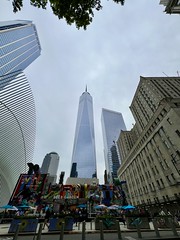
{"points": [[46, 218]]}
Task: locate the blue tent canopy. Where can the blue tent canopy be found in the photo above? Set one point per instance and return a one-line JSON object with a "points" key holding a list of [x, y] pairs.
{"points": [[8, 207], [82, 206], [128, 207]]}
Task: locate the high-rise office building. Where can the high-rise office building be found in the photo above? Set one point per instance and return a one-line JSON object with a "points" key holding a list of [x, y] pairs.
{"points": [[112, 124], [151, 150], [50, 165], [19, 46], [84, 154]]}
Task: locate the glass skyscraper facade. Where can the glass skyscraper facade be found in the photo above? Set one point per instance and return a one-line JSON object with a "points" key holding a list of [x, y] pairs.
{"points": [[84, 154], [19, 46], [112, 124]]}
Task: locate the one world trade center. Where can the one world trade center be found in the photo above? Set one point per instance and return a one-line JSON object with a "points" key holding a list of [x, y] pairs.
{"points": [[84, 154]]}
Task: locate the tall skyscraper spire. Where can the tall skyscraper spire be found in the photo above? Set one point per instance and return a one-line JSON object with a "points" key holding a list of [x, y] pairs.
{"points": [[84, 155]]}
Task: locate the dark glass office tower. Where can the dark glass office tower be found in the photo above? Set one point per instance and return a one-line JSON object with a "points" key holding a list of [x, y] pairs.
{"points": [[84, 154], [112, 124]]}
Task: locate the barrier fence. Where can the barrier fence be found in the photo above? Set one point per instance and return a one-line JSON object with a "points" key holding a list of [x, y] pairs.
{"points": [[82, 230]]}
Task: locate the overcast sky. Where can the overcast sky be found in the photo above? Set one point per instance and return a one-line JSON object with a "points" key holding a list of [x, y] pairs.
{"points": [[122, 44]]}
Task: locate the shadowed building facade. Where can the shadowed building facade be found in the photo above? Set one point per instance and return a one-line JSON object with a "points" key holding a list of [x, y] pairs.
{"points": [[151, 151], [19, 47], [84, 154]]}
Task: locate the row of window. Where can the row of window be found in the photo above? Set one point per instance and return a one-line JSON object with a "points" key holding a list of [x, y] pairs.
{"points": [[15, 34], [21, 61], [156, 200]]}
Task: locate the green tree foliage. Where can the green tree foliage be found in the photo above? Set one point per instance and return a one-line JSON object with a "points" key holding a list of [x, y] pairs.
{"points": [[80, 12]]}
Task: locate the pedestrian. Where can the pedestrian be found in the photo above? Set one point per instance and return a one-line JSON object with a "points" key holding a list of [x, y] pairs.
{"points": [[76, 216], [46, 218]]}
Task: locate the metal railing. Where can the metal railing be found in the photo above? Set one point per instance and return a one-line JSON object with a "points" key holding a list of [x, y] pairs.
{"points": [[102, 231]]}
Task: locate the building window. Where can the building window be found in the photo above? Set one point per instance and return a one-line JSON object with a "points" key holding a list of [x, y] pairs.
{"points": [[169, 121], [167, 165], [153, 187], [153, 171], [162, 165], [167, 145], [178, 153], [176, 196], [167, 177], [148, 158], [164, 199], [178, 132], [156, 170], [172, 175], [158, 183], [162, 183]]}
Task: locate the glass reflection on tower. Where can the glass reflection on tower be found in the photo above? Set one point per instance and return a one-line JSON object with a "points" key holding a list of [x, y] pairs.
{"points": [[84, 155], [112, 124], [19, 45]]}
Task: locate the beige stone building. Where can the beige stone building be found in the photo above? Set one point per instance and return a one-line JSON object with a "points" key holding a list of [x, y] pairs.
{"points": [[150, 151]]}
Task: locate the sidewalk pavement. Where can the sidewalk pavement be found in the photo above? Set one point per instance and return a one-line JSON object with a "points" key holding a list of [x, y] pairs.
{"points": [[127, 234]]}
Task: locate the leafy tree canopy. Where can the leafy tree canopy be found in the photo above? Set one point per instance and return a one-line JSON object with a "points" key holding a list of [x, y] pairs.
{"points": [[80, 12]]}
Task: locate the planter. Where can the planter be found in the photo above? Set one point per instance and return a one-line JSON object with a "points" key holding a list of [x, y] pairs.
{"points": [[108, 223], [137, 221], [56, 223], [27, 225]]}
